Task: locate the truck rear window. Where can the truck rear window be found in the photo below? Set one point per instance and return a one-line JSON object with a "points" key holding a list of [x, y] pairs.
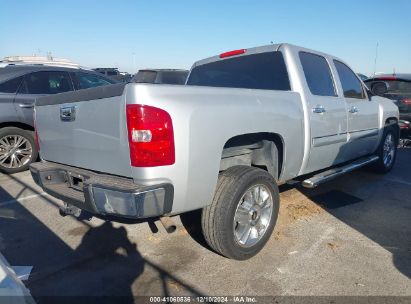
{"points": [[264, 71], [145, 77]]}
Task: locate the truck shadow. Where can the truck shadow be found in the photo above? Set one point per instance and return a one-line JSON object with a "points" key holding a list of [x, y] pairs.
{"points": [[377, 206], [106, 266]]}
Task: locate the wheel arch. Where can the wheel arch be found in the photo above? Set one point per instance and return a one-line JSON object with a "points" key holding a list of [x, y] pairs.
{"points": [[16, 124], [393, 122], [262, 150]]}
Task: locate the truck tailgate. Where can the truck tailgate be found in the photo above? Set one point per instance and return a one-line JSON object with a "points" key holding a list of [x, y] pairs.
{"points": [[85, 129]]}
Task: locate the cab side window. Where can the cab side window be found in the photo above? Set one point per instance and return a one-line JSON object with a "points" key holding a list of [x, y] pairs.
{"points": [[351, 85], [46, 83], [85, 80], [318, 74]]}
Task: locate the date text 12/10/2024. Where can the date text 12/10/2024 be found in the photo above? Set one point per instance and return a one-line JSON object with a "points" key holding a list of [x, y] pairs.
{"points": [[204, 299]]}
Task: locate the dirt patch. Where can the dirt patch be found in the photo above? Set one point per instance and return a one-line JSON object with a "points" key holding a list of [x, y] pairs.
{"points": [[332, 246], [299, 211], [294, 206]]}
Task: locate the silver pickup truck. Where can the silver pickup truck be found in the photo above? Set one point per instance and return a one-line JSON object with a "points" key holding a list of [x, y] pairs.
{"points": [[245, 122]]}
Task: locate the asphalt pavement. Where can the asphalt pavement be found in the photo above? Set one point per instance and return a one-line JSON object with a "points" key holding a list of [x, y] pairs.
{"points": [[349, 237]]}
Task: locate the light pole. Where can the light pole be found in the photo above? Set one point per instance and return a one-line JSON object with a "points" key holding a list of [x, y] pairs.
{"points": [[375, 61], [134, 63]]}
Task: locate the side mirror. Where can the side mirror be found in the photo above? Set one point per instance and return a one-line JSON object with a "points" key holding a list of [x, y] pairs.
{"points": [[379, 88]]}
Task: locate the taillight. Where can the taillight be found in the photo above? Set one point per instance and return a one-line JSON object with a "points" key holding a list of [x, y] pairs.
{"points": [[232, 53], [407, 101], [35, 131], [150, 136], [404, 124]]}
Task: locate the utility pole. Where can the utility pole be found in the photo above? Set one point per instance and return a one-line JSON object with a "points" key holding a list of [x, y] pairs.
{"points": [[375, 61]]}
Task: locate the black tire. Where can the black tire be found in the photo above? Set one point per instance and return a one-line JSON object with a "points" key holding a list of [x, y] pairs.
{"points": [[217, 219], [29, 136], [382, 166]]}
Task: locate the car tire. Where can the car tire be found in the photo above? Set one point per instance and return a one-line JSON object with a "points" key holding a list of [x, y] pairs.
{"points": [[246, 201], [386, 151], [22, 143]]}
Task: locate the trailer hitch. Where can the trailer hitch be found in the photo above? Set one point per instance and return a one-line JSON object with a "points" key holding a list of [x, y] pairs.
{"points": [[68, 209]]}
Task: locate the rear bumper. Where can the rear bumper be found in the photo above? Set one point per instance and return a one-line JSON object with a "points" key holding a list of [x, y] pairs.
{"points": [[102, 194]]}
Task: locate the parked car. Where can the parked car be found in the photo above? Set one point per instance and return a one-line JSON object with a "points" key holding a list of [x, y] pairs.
{"points": [[395, 87], [164, 76], [362, 76], [247, 121], [20, 85], [48, 60], [114, 73]]}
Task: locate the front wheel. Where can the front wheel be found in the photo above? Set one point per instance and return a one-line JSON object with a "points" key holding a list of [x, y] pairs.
{"points": [[387, 151], [241, 218], [17, 149]]}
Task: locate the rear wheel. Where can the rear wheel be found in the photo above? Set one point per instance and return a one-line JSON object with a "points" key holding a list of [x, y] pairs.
{"points": [[17, 149], [387, 151], [243, 213]]}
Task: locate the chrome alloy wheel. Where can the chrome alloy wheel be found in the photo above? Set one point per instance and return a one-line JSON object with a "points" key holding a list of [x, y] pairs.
{"points": [[15, 151], [253, 215], [388, 150]]}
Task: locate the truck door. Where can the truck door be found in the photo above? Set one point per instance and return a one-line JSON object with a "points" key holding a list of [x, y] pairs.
{"points": [[8, 91], [327, 114], [362, 113]]}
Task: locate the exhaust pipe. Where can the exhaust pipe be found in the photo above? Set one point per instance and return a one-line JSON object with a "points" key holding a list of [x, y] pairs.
{"points": [[168, 224]]}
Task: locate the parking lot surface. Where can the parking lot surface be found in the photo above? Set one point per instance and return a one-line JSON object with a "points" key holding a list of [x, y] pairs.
{"points": [[348, 237]]}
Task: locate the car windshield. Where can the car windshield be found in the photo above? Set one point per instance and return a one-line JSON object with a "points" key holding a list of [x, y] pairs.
{"points": [[174, 77]]}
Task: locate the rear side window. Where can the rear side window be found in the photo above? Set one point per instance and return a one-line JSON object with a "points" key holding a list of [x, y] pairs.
{"points": [[46, 82], [351, 85], [11, 86], [264, 71], [318, 74], [85, 81]]}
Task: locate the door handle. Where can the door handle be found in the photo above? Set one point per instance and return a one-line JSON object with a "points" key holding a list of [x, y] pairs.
{"points": [[26, 105], [318, 109], [68, 113], [353, 110]]}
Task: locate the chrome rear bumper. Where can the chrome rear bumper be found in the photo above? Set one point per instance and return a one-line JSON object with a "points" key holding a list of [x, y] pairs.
{"points": [[102, 194]]}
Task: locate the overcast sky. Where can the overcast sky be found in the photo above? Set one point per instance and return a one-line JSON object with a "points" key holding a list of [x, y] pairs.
{"points": [[173, 34]]}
